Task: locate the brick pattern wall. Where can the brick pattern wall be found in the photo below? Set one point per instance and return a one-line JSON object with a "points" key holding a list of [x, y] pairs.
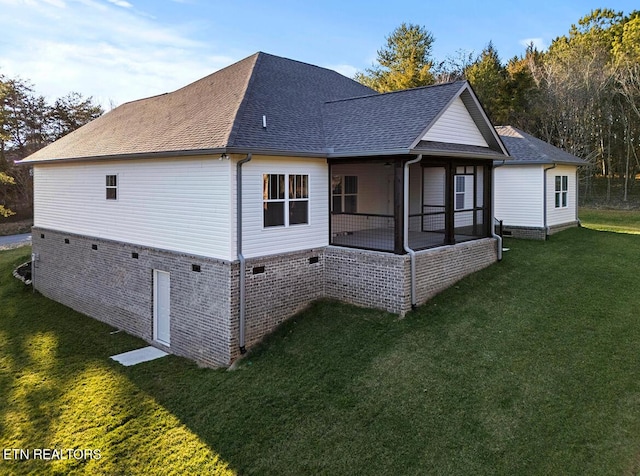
{"points": [[367, 278], [277, 287], [563, 226], [533, 233], [439, 268], [524, 232], [110, 285]]}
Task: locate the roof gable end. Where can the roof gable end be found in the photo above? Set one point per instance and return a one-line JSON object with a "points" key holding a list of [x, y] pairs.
{"points": [[456, 126], [463, 121]]}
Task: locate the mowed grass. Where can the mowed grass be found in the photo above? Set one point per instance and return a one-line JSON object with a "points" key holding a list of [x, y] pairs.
{"points": [[617, 221], [531, 366]]}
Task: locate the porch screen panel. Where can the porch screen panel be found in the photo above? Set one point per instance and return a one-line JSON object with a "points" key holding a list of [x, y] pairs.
{"points": [[469, 214], [433, 203]]}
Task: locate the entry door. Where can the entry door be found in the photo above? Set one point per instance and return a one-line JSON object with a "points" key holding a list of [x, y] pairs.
{"points": [[161, 307]]}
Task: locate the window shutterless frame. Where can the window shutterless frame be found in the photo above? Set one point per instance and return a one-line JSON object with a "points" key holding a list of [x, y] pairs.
{"points": [[112, 187], [561, 191], [344, 193], [285, 200]]}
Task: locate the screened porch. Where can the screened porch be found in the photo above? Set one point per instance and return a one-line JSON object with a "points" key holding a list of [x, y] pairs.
{"points": [[448, 203]]}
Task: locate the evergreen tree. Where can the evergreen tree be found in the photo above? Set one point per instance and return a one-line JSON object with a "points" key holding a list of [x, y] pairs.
{"points": [[404, 62]]}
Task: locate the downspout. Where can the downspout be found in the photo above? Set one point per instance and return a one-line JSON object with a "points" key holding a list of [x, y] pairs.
{"points": [[577, 197], [544, 200], [493, 228], [241, 259], [412, 253]]}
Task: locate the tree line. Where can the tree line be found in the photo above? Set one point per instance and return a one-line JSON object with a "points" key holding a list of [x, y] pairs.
{"points": [[582, 94], [27, 123]]}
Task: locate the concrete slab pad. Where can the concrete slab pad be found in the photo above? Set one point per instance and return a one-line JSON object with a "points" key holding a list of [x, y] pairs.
{"points": [[137, 356]]}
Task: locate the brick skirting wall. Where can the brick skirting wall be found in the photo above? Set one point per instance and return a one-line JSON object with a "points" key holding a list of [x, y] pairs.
{"points": [[277, 287], [564, 226], [109, 284], [367, 278], [524, 232], [439, 268], [536, 233]]}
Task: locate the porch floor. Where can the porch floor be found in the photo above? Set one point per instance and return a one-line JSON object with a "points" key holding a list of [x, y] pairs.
{"points": [[382, 239]]}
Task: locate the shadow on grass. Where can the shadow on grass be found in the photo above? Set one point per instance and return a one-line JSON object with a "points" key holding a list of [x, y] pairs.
{"points": [[527, 367], [60, 391]]}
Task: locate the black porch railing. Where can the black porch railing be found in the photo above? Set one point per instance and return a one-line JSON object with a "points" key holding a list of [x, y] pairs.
{"points": [[426, 230], [363, 230]]}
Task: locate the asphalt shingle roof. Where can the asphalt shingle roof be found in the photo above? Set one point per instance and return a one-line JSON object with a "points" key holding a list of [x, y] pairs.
{"points": [[388, 121], [308, 110], [197, 116], [527, 149]]}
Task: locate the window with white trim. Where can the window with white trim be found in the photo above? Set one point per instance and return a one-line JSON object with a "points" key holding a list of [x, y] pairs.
{"points": [[285, 199], [344, 193], [112, 187], [460, 191], [562, 190]]}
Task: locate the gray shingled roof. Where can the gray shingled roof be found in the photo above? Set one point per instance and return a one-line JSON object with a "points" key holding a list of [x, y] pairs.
{"points": [[179, 121], [219, 112], [308, 110], [527, 149], [394, 122], [382, 122]]}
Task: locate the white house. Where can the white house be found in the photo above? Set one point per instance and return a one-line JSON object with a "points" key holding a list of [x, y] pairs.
{"points": [[536, 192], [199, 220]]}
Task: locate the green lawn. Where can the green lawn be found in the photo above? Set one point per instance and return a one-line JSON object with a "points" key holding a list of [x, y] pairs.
{"points": [[618, 221], [531, 366]]}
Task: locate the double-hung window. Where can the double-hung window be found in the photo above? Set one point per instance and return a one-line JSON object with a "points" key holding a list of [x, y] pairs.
{"points": [[285, 199], [344, 193], [562, 190], [112, 187]]}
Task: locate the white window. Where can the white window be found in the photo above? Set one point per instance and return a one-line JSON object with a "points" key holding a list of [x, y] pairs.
{"points": [[285, 192], [112, 187], [344, 193], [460, 191], [562, 190]]}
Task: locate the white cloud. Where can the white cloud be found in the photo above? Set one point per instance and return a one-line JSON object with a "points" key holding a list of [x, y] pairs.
{"points": [[121, 3], [110, 52], [538, 43], [344, 69]]}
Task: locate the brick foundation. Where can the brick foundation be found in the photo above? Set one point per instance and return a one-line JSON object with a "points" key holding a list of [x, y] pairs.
{"points": [[525, 232], [536, 233], [109, 284]]}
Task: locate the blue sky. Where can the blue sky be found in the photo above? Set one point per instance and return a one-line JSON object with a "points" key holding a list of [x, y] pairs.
{"points": [[121, 50]]}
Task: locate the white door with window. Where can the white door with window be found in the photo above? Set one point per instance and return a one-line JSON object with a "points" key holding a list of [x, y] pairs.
{"points": [[161, 307]]}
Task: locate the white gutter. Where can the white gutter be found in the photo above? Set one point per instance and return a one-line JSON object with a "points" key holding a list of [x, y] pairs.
{"points": [[493, 228], [544, 200], [412, 253], [242, 323]]}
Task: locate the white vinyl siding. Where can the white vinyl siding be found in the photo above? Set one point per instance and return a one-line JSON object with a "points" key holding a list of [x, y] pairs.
{"points": [[174, 204], [518, 192], [456, 126], [564, 214], [261, 241]]}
